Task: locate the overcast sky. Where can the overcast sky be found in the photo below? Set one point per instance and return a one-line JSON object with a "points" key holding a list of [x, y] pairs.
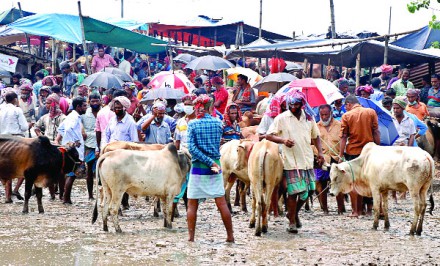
{"points": [[280, 16]]}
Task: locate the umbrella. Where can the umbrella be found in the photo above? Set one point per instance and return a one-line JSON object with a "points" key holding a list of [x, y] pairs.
{"points": [[172, 80], [209, 62], [4, 73], [318, 91], [104, 80], [118, 73], [291, 66], [165, 93], [253, 77], [273, 82], [388, 131], [184, 58]]}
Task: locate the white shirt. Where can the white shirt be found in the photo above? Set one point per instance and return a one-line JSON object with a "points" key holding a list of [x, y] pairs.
{"points": [[125, 66], [405, 129], [12, 120], [70, 130]]}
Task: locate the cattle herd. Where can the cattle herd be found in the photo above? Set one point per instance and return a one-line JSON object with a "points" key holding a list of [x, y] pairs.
{"points": [[159, 171]]}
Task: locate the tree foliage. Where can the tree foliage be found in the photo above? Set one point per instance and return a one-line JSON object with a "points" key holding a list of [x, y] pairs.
{"points": [[416, 5]]}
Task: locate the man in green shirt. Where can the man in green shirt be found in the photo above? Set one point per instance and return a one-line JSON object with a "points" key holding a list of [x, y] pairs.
{"points": [[402, 84]]}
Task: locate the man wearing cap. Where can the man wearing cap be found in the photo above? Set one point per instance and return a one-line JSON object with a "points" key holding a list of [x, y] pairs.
{"points": [[205, 180], [69, 79], [402, 84], [404, 125], [122, 126], [156, 130], [296, 129], [136, 109]]}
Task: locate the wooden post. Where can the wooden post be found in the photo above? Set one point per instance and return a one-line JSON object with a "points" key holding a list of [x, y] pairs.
{"points": [[171, 59], [332, 17], [84, 38], [74, 52], [370, 71], [306, 67], [311, 71], [54, 57], [358, 69], [28, 41]]}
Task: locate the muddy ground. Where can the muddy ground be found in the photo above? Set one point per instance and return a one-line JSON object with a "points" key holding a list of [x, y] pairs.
{"points": [[64, 235]]}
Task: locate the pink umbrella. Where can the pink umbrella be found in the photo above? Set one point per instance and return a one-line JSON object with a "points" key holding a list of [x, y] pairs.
{"points": [[318, 91], [168, 79]]}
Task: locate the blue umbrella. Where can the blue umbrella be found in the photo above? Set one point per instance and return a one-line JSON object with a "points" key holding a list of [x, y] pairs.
{"points": [[388, 131]]}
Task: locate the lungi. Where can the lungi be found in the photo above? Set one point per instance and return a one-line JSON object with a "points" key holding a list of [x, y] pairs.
{"points": [[300, 182], [204, 183]]}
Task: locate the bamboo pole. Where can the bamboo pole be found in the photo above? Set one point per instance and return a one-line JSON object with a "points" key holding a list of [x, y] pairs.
{"points": [[28, 41], [53, 55], [83, 36], [332, 18], [358, 69], [306, 67], [387, 39]]}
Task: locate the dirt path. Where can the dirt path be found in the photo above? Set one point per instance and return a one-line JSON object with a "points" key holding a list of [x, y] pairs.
{"points": [[65, 235]]}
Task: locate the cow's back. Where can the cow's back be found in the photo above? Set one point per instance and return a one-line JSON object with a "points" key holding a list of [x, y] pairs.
{"points": [[125, 145], [229, 158]]}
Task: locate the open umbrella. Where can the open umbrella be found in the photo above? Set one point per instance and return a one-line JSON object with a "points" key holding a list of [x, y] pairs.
{"points": [[209, 62], [273, 82], [165, 93], [4, 73], [253, 77], [172, 80], [184, 58], [388, 131], [318, 91], [291, 66], [118, 73], [104, 80]]}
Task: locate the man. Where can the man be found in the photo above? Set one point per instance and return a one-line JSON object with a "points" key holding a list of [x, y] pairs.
{"points": [[200, 89], [338, 109], [15, 80], [386, 71], [402, 84], [426, 85], [377, 94], [102, 60], [415, 106], [69, 79], [27, 104], [343, 85], [387, 103], [359, 127], [70, 132], [48, 124], [296, 129], [244, 96], [206, 181], [37, 85], [126, 64], [122, 126], [102, 118], [221, 94], [89, 121], [404, 125], [64, 104], [13, 122], [136, 109], [156, 130], [329, 129], [434, 92]]}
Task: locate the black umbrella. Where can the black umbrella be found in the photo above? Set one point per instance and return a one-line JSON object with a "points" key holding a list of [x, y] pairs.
{"points": [[118, 73], [184, 58], [103, 80], [209, 62]]}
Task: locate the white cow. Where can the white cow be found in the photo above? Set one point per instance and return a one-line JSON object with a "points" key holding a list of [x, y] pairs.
{"points": [[379, 169], [141, 173]]}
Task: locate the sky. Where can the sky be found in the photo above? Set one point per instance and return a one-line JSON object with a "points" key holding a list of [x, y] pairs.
{"points": [[280, 16]]}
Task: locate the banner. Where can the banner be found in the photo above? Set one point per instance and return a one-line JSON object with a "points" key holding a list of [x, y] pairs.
{"points": [[8, 63]]}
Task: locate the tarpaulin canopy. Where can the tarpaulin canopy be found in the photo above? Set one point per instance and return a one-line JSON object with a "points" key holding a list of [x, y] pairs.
{"points": [[11, 15], [419, 40], [340, 55], [68, 28]]}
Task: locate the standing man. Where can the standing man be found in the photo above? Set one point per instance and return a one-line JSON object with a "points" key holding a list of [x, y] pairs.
{"points": [[156, 130], [89, 120], [404, 124], [48, 124], [12, 122], [434, 92], [69, 79], [136, 109], [244, 97], [102, 60], [102, 119], [206, 181], [122, 126], [296, 129], [359, 127], [70, 131], [329, 129], [27, 104], [221, 94], [126, 64], [386, 71], [402, 84], [414, 106]]}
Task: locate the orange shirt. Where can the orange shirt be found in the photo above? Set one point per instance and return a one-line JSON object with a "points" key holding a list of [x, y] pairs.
{"points": [[359, 124], [421, 112]]}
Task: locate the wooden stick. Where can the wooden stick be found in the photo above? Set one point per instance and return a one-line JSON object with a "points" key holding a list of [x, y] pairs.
{"points": [[358, 69], [83, 38]]}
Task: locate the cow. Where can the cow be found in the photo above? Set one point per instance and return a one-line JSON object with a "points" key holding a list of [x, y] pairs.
{"points": [[265, 169], [41, 163], [379, 169], [232, 170], [140, 173]]}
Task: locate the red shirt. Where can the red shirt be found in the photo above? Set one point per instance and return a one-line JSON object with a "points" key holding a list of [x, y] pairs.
{"points": [[134, 102], [221, 95]]}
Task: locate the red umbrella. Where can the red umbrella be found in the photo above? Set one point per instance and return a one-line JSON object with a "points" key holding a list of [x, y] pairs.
{"points": [[318, 91], [168, 79]]}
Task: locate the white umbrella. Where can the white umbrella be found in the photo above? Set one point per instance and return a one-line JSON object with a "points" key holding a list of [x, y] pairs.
{"points": [[273, 82], [164, 93], [209, 62], [184, 58]]}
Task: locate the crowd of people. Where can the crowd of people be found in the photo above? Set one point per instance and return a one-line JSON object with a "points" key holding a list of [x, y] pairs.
{"points": [[66, 111]]}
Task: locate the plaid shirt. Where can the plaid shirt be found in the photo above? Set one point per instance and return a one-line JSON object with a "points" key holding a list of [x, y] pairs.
{"points": [[204, 139]]}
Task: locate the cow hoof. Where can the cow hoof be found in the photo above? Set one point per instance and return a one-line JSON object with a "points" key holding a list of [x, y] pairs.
{"points": [[292, 229], [67, 202], [375, 227], [387, 225], [25, 211], [258, 232], [8, 201], [105, 228], [155, 214], [264, 229], [411, 232], [230, 207], [244, 210], [119, 231], [41, 211], [252, 225]]}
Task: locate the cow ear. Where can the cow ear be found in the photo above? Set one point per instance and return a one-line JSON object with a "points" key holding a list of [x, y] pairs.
{"points": [[340, 168]]}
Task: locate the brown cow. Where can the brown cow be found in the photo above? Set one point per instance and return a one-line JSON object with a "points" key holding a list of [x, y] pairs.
{"points": [[41, 163]]}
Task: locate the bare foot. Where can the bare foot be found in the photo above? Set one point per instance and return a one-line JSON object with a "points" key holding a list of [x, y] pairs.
{"points": [[230, 240], [354, 215]]}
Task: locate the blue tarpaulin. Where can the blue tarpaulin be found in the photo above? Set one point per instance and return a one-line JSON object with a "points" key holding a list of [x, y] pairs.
{"points": [[419, 40], [11, 15]]}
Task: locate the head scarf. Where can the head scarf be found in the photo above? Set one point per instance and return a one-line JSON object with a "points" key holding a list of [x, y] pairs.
{"points": [[45, 72], [387, 69], [54, 80], [25, 81], [413, 91], [368, 89], [202, 101], [274, 108], [164, 101], [27, 87], [189, 96], [226, 117], [122, 100], [46, 88], [83, 90], [295, 96], [178, 108], [217, 80], [54, 109], [400, 101], [132, 87], [159, 106]]}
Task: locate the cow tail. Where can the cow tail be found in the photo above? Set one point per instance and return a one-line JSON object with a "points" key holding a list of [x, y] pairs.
{"points": [[431, 197], [95, 210], [262, 157]]}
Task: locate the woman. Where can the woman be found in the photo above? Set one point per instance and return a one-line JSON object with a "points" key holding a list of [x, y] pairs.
{"points": [[231, 129], [364, 91]]}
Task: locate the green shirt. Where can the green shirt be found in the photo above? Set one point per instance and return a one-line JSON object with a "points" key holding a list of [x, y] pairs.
{"points": [[399, 87]]}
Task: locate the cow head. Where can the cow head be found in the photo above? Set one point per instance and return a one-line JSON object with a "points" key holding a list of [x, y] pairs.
{"points": [[243, 151], [70, 158], [184, 158], [341, 179]]}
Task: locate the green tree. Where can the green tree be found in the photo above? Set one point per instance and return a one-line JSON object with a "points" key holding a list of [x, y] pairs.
{"points": [[416, 5]]}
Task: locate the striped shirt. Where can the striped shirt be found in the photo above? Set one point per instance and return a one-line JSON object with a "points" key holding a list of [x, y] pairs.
{"points": [[204, 137]]}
